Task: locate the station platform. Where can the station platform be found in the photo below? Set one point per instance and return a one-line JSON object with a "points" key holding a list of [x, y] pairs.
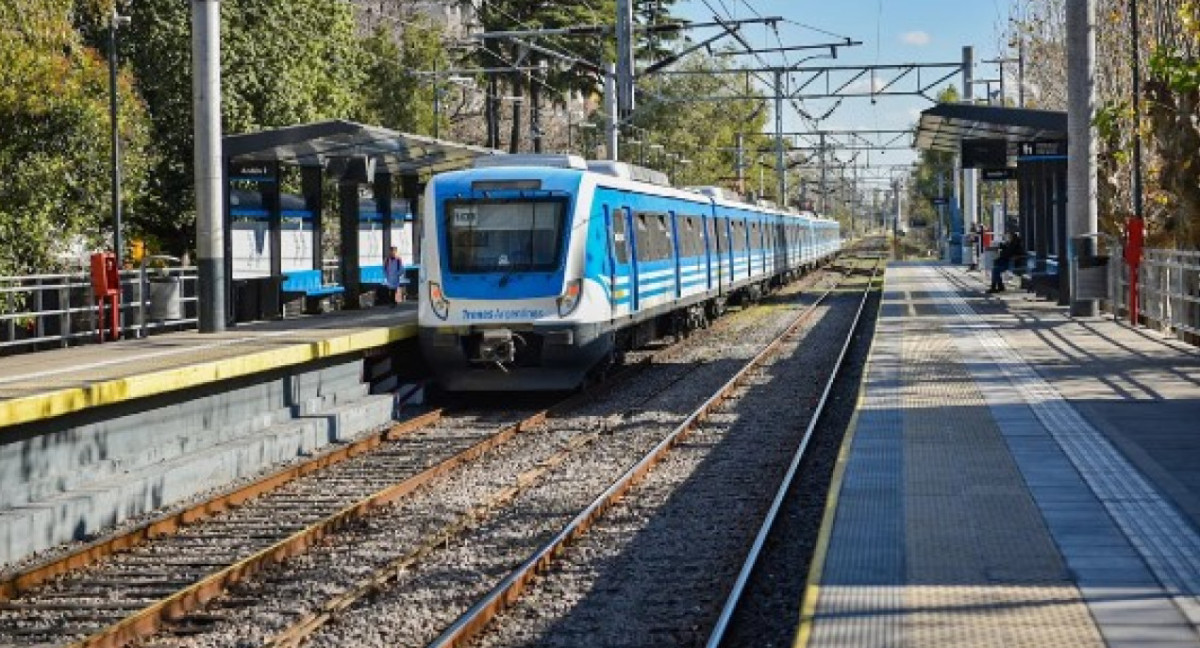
{"points": [[1013, 477], [43, 385]]}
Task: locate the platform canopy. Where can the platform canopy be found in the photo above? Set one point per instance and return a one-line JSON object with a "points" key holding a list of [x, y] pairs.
{"points": [[945, 126], [316, 144]]}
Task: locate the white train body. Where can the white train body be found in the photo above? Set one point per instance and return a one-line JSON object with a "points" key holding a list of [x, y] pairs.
{"points": [[535, 269]]}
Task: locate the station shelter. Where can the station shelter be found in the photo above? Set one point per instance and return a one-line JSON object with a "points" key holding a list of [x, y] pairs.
{"points": [[1021, 145], [275, 234]]}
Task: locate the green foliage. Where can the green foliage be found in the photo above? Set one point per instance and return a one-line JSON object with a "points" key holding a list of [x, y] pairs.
{"points": [[562, 76], [1180, 73], [393, 95], [703, 131], [54, 152], [282, 63], [934, 169], [653, 46]]}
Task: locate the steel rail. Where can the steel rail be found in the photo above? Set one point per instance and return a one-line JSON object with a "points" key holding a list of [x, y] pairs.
{"points": [[150, 619], [508, 590], [739, 586], [310, 623], [28, 579]]}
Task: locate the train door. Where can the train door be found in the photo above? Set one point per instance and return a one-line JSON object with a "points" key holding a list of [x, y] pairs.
{"points": [[622, 277], [713, 252], [673, 230], [635, 272]]}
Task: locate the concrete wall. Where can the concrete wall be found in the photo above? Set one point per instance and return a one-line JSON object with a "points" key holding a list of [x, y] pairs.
{"points": [[70, 477]]}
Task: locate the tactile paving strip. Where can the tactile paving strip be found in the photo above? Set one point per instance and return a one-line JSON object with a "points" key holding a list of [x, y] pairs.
{"points": [[1117, 532], [973, 564]]}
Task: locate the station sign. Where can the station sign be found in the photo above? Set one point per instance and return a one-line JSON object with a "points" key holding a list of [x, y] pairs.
{"points": [[1043, 149], [938, 202], [984, 153], [252, 171], [994, 175]]}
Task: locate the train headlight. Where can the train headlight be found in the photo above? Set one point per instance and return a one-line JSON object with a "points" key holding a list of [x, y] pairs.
{"points": [[438, 301], [569, 300]]}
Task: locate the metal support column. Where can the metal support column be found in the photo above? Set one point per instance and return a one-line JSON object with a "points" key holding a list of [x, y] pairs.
{"points": [[611, 107], [206, 104], [1081, 146], [382, 191], [624, 70], [824, 179], [780, 168], [348, 261], [970, 176]]}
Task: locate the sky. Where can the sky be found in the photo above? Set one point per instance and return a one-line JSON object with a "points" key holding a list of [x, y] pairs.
{"points": [[891, 31]]}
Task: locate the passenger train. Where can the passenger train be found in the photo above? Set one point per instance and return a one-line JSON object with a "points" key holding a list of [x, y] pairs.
{"points": [[537, 270]]}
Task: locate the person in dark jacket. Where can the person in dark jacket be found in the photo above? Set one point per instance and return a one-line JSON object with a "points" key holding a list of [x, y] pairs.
{"points": [[1011, 249]]}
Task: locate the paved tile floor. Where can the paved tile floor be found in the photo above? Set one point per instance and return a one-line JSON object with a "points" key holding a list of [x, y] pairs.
{"points": [[1015, 478]]}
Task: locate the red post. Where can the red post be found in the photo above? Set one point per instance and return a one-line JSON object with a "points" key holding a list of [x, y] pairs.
{"points": [[1135, 236], [106, 287]]}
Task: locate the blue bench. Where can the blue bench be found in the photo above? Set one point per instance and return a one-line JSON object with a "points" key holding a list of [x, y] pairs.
{"points": [[368, 275], [309, 283]]}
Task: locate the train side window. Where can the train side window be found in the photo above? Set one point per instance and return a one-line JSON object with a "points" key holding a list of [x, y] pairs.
{"points": [[689, 241]]}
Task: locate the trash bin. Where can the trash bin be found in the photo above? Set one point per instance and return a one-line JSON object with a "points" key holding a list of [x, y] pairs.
{"points": [[165, 303], [246, 306], [1091, 279]]}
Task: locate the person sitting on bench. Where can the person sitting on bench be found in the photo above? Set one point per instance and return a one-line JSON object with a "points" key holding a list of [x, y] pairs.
{"points": [[1011, 249]]}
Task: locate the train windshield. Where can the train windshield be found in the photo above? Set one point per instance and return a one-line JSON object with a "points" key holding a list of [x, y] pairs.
{"points": [[504, 235]]}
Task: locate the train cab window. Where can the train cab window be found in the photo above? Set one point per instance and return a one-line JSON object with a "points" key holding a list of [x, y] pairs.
{"points": [[503, 235], [620, 242]]}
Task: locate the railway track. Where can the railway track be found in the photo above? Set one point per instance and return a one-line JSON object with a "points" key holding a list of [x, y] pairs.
{"points": [[654, 570], [156, 576]]}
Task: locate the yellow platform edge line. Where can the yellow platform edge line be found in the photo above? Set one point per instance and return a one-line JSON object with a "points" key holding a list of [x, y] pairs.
{"points": [[38, 407], [808, 607]]}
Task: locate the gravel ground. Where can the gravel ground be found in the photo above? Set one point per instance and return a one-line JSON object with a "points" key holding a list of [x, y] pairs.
{"points": [[91, 598], [768, 615], [607, 435], [617, 428], [657, 568]]}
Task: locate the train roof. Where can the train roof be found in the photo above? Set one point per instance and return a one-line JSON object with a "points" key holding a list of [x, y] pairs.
{"points": [[618, 175]]}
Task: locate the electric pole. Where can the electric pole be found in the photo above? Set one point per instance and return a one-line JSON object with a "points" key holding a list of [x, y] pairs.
{"points": [[206, 106], [1081, 149]]}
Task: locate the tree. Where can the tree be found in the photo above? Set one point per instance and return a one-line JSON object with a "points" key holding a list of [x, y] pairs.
{"points": [[670, 117], [395, 94], [562, 77], [933, 176], [54, 152], [283, 62], [1168, 49]]}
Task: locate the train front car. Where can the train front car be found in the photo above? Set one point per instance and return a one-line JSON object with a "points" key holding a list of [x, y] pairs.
{"points": [[503, 277]]}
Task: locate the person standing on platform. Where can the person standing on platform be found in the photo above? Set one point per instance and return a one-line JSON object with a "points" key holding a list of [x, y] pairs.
{"points": [[393, 272], [1011, 249]]}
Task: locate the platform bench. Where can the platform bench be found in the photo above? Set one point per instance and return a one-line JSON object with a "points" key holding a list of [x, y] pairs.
{"points": [[308, 284], [370, 275]]}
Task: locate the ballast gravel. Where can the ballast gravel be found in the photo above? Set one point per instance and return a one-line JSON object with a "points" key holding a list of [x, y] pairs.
{"points": [[658, 567], [627, 420]]}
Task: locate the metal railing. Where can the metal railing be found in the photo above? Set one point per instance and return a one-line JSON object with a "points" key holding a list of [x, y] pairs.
{"points": [[58, 310], [1168, 291]]}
